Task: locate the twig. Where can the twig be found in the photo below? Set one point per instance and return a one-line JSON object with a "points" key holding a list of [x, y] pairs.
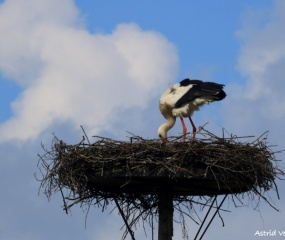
{"points": [[85, 134]]}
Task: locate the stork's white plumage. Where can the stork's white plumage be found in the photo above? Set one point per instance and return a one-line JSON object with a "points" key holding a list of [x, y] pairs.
{"points": [[182, 99]]}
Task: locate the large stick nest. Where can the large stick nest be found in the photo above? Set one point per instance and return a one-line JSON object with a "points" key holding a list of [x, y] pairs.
{"points": [[133, 172]]}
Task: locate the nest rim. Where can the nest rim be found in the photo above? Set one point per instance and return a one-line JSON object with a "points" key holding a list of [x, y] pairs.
{"points": [[115, 175]]}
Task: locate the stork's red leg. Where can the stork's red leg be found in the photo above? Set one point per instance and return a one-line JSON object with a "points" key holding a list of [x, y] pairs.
{"points": [[194, 128], [183, 128]]}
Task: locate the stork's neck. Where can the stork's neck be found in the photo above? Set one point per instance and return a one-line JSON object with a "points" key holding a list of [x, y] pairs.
{"points": [[170, 122], [165, 127]]}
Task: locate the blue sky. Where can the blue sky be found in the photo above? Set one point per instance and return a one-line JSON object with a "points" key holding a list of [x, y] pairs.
{"points": [[103, 65]]}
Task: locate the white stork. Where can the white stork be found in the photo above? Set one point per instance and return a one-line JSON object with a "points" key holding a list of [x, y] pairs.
{"points": [[182, 99]]}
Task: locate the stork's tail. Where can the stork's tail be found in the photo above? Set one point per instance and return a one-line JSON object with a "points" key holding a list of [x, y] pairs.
{"points": [[213, 89], [220, 95]]}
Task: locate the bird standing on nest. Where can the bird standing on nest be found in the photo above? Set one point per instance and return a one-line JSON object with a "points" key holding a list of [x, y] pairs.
{"points": [[182, 99]]}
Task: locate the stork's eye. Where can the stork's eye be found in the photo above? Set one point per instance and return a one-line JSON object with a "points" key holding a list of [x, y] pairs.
{"points": [[160, 135]]}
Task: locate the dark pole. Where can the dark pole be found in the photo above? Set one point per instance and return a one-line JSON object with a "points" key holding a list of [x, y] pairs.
{"points": [[165, 211]]}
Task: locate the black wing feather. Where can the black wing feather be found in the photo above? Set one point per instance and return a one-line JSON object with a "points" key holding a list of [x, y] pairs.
{"points": [[187, 82], [201, 89]]}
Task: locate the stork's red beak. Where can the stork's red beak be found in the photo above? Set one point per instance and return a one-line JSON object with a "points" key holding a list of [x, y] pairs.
{"points": [[164, 140]]}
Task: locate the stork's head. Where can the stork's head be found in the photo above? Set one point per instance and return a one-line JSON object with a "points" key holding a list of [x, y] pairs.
{"points": [[162, 133]]}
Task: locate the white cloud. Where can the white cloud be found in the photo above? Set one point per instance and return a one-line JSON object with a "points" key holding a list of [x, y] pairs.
{"points": [[263, 48], [69, 74], [260, 104], [18, 21]]}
